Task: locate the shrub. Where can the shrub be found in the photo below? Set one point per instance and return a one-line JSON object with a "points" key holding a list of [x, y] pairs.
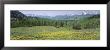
{"points": [[76, 26]]}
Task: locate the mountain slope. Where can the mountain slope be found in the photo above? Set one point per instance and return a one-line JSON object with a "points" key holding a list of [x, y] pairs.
{"points": [[71, 17]]}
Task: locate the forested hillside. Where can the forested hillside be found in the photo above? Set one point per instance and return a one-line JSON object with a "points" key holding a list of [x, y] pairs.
{"points": [[21, 20]]}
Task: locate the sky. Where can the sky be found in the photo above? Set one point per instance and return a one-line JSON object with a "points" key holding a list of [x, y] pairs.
{"points": [[53, 13]]}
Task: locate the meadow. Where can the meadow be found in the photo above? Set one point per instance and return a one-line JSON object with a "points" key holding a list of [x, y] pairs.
{"points": [[53, 33]]}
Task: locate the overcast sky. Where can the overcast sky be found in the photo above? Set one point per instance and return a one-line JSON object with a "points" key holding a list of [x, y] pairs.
{"points": [[53, 13]]}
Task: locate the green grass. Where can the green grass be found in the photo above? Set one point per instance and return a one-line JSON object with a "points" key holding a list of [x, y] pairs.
{"points": [[53, 33]]}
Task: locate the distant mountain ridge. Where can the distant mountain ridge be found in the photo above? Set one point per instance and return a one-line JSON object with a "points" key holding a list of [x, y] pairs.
{"points": [[17, 14], [66, 17], [71, 17]]}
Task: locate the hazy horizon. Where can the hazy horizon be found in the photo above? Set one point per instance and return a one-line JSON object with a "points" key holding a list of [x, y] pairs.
{"points": [[53, 13]]}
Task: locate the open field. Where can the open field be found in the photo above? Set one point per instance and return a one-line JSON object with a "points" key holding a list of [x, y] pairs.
{"points": [[53, 33]]}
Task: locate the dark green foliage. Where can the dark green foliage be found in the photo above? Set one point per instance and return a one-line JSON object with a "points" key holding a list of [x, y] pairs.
{"points": [[76, 26], [92, 22], [94, 16]]}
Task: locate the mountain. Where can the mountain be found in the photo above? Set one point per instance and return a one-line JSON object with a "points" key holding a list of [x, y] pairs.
{"points": [[66, 17], [16, 14], [71, 17], [41, 16]]}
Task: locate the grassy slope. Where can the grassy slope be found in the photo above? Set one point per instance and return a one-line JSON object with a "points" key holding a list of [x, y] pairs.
{"points": [[52, 33]]}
